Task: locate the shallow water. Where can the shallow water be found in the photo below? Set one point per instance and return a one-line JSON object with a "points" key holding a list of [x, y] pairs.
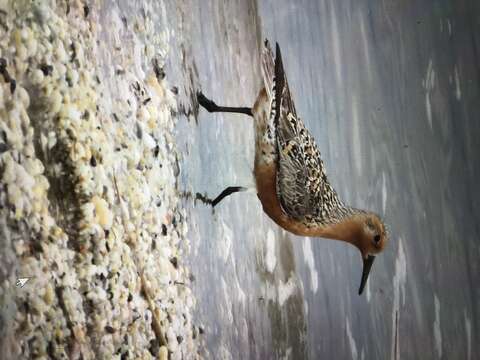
{"points": [[390, 92]]}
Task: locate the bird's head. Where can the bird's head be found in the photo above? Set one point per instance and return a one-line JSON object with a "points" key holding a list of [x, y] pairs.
{"points": [[371, 239]]}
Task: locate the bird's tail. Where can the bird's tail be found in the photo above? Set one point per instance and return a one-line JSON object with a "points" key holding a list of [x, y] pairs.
{"points": [[268, 68]]}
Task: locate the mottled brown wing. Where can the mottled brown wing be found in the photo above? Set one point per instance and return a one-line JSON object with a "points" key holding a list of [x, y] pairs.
{"points": [[268, 68], [300, 176]]}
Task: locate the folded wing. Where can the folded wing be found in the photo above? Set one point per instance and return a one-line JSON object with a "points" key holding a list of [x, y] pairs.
{"points": [[302, 185]]}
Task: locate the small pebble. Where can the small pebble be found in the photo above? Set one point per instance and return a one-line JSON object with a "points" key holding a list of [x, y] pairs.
{"points": [[46, 69], [109, 329], [13, 86], [154, 347]]}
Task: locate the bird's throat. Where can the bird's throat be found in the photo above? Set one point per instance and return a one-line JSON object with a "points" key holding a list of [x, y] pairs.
{"points": [[345, 230]]}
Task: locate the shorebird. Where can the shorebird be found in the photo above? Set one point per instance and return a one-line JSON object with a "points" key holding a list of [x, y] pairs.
{"points": [[290, 176]]}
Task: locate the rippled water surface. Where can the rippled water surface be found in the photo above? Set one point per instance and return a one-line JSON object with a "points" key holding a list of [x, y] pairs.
{"points": [[390, 91]]}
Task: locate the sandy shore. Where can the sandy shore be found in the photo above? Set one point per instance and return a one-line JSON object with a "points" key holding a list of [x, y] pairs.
{"points": [[88, 194]]}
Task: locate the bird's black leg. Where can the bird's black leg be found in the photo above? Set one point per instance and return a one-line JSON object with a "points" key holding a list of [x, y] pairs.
{"points": [[228, 191], [210, 106]]}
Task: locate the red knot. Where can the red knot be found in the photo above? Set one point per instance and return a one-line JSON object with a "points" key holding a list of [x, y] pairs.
{"points": [[290, 176]]}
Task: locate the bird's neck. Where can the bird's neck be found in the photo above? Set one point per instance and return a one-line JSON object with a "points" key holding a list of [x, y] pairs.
{"points": [[346, 230], [345, 226]]}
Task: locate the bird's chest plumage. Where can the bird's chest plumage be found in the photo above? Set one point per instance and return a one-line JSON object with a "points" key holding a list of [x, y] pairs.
{"points": [[265, 177]]}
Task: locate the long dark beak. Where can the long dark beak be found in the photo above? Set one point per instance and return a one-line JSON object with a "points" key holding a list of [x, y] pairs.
{"points": [[367, 265]]}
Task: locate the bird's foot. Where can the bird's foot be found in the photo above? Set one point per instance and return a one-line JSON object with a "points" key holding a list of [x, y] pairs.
{"points": [[208, 104]]}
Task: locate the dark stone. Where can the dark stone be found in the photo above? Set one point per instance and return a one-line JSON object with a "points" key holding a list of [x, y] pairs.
{"points": [[73, 49], [154, 347], [138, 131], [174, 262], [159, 72], [46, 69], [13, 85], [109, 329]]}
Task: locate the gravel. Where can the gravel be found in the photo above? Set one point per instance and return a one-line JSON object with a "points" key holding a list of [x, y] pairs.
{"points": [[87, 207]]}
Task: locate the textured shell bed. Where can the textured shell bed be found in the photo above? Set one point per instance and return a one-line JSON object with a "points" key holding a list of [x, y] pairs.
{"points": [[88, 203]]}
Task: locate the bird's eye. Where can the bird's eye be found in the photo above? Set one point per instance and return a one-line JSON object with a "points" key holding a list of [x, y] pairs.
{"points": [[376, 238]]}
